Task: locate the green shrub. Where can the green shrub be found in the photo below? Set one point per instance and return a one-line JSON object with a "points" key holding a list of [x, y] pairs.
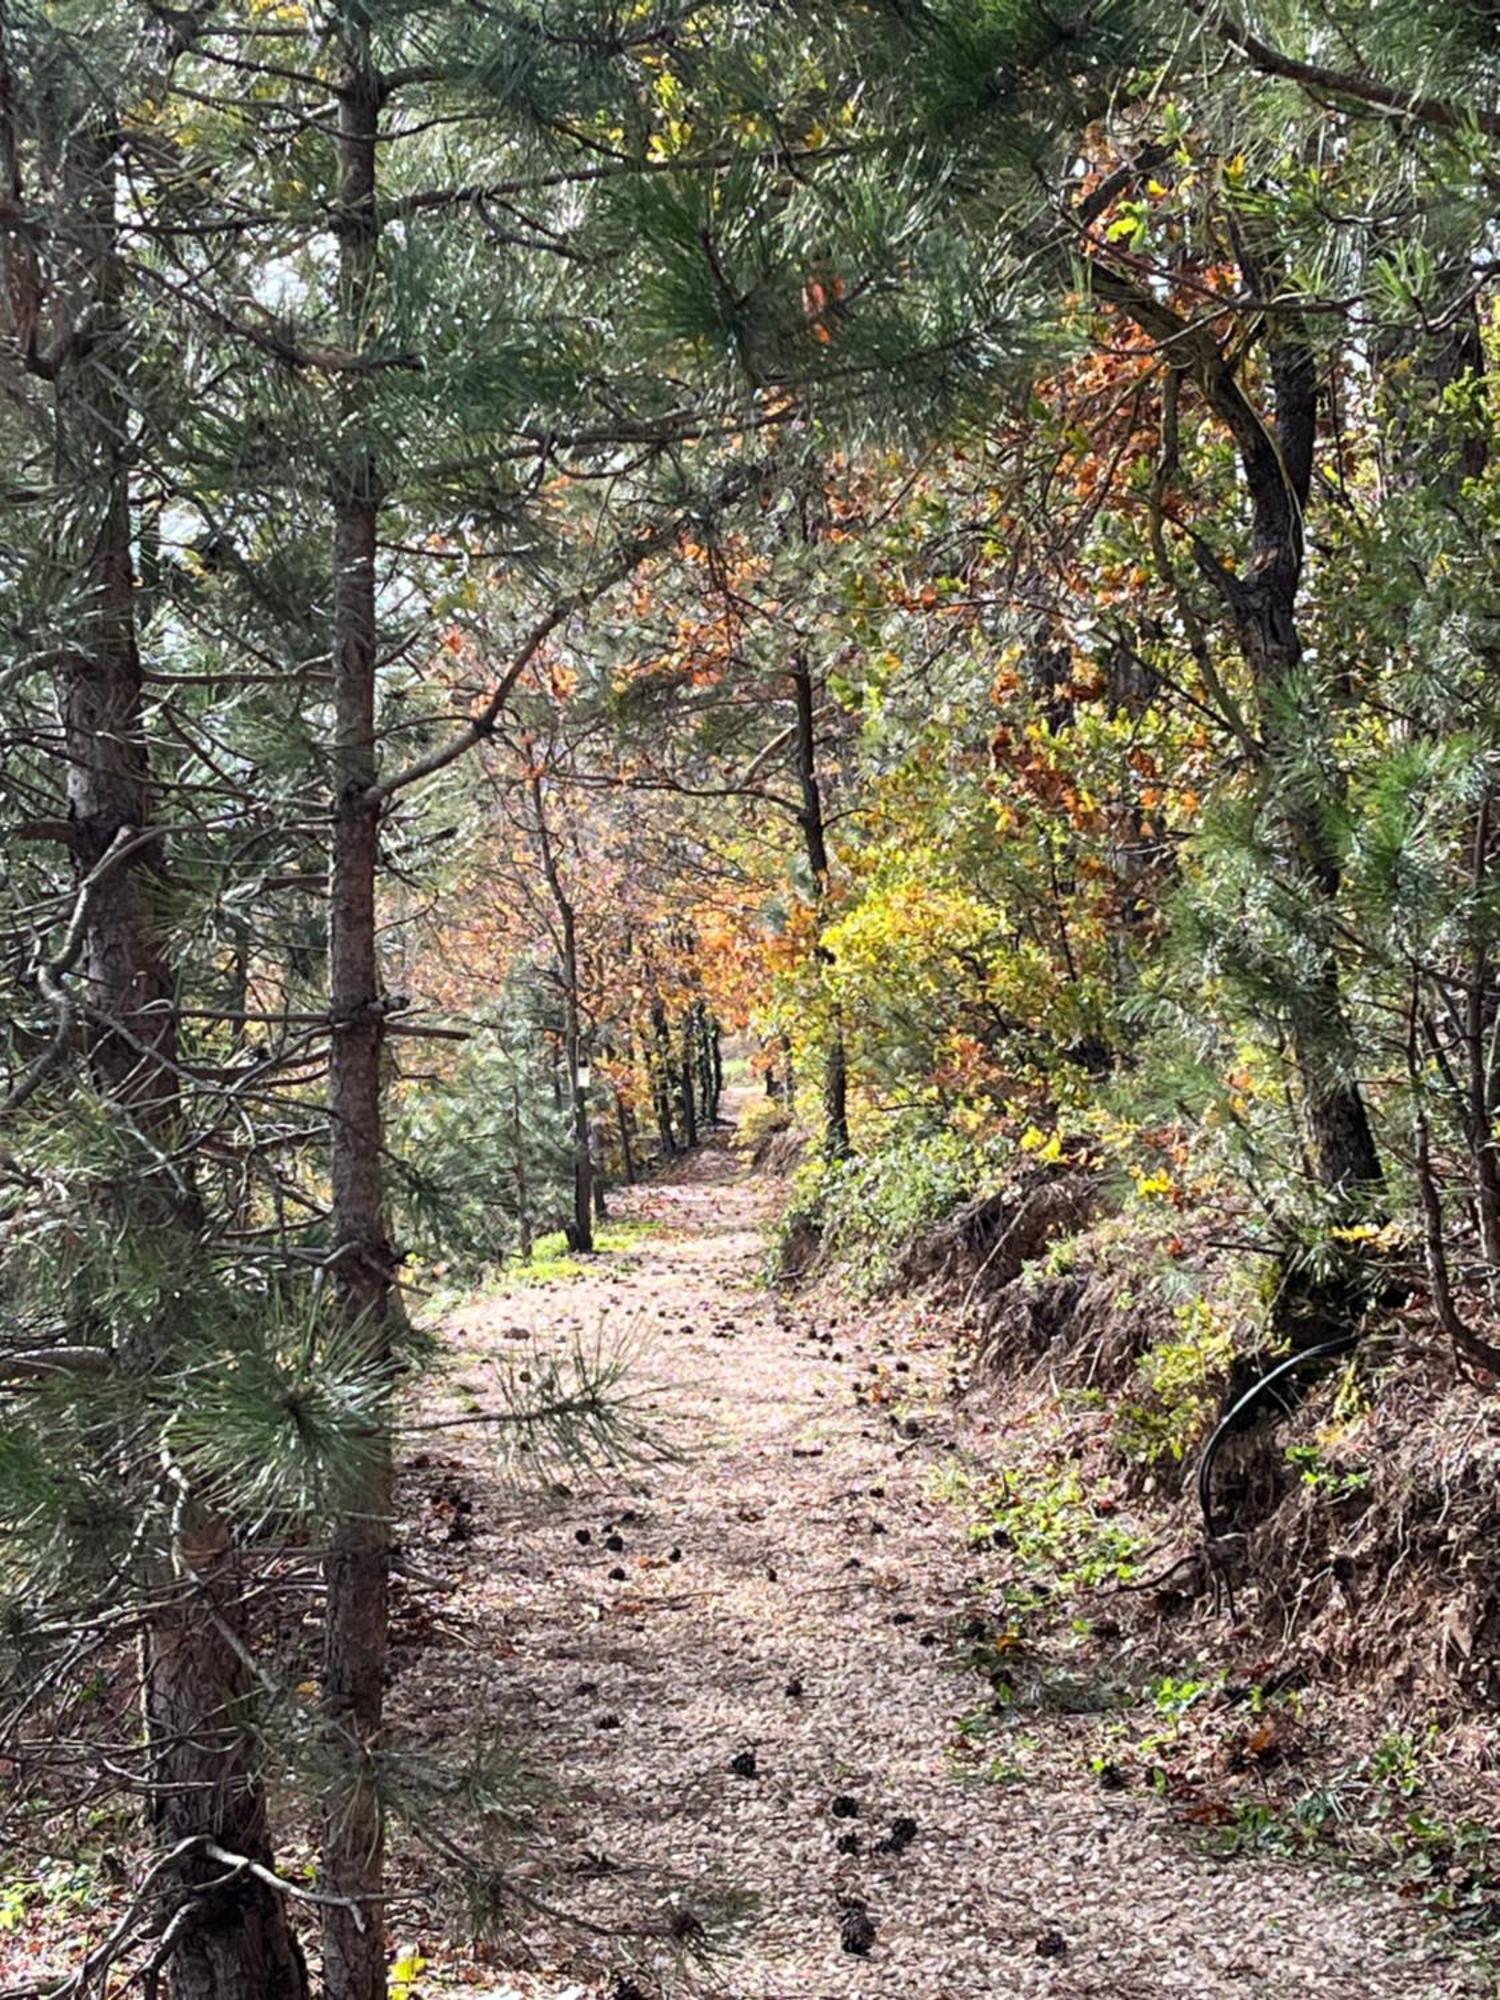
{"points": [[870, 1209], [1181, 1378]]}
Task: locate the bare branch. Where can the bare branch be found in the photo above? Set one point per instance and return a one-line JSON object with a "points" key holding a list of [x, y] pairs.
{"points": [[628, 558]]}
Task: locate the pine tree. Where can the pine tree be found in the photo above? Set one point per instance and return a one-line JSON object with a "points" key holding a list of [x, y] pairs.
{"points": [[108, 1355]]}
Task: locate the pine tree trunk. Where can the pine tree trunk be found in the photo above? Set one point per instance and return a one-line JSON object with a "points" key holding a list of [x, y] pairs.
{"points": [[581, 1229], [238, 1945], [583, 1165], [1277, 466], [523, 1183], [685, 1072], [357, 1570], [1342, 1141], [1264, 604], [661, 1076], [195, 1687], [836, 1140]]}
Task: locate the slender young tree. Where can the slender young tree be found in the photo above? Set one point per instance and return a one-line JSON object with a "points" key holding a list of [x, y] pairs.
{"points": [[581, 1228], [357, 1618], [815, 844]]}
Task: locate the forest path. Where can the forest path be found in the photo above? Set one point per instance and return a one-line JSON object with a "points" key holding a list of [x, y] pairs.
{"points": [[791, 1589]]}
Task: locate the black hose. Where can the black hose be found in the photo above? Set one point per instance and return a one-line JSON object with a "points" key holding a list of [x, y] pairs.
{"points": [[1237, 1409]]}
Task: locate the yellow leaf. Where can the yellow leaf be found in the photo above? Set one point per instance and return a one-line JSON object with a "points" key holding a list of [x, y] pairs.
{"points": [[409, 1964]]}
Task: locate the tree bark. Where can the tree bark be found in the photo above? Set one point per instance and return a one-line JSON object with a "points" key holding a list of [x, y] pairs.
{"points": [[1264, 606], [357, 1569], [686, 1070], [581, 1230], [523, 1183], [660, 1063], [238, 1944], [583, 1165], [836, 1141], [715, 1069]]}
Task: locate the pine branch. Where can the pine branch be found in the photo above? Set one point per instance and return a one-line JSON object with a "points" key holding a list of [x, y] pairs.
{"points": [[46, 1363], [575, 1412], [1359, 87], [266, 340], [427, 199], [627, 559]]}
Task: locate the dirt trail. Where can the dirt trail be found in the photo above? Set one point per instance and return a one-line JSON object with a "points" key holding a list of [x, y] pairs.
{"points": [[790, 1593]]}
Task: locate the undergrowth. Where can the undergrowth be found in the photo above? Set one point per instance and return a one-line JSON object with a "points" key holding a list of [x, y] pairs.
{"points": [[1240, 1767], [1179, 1381], [1375, 1811], [869, 1210], [552, 1260], [1061, 1533], [760, 1120]]}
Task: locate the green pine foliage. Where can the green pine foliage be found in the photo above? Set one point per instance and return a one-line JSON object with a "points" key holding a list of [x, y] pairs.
{"points": [[484, 1152]]}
